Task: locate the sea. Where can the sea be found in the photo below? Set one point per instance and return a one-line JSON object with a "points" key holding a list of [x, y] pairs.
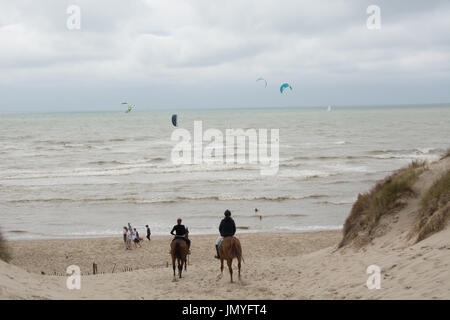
{"points": [[78, 175]]}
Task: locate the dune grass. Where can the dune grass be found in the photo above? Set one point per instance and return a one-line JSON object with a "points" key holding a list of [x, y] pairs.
{"points": [[383, 199], [4, 251], [435, 208], [446, 154]]}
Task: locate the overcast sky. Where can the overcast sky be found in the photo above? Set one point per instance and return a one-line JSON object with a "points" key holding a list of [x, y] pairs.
{"points": [[207, 54]]}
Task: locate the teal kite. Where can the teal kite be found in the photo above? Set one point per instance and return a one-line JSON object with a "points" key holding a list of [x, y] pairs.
{"points": [[284, 87]]}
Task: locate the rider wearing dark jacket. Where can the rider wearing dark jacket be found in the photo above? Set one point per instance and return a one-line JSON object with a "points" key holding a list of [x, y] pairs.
{"points": [[180, 232], [227, 228]]}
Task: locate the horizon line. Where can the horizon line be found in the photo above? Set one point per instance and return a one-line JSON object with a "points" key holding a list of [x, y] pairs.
{"points": [[431, 104]]}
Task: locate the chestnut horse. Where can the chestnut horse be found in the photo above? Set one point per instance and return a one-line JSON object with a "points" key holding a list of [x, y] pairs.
{"points": [[230, 249], [186, 235], [178, 251]]}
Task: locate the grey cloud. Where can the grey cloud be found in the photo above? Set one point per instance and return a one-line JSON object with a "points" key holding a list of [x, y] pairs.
{"points": [[157, 44]]}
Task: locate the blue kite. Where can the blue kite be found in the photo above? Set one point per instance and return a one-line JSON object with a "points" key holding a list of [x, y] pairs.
{"points": [[284, 87]]}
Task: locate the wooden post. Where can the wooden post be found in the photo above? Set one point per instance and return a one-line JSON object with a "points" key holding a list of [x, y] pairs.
{"points": [[94, 268]]}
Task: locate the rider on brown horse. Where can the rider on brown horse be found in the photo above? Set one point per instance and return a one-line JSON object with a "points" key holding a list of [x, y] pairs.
{"points": [[180, 232], [227, 228]]}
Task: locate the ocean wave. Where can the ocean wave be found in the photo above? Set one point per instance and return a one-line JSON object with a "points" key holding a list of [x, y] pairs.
{"points": [[146, 168], [174, 199], [415, 153], [127, 162], [411, 156], [310, 228], [252, 216], [117, 139], [60, 200], [304, 174], [424, 150], [336, 203], [326, 157], [340, 182], [338, 168], [237, 198]]}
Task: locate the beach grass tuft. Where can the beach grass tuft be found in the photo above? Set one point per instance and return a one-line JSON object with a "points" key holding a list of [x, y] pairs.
{"points": [[434, 208], [382, 199], [446, 154], [4, 251]]}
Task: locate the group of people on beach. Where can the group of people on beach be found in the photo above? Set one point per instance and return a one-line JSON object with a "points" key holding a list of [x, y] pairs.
{"points": [[131, 235], [227, 228]]}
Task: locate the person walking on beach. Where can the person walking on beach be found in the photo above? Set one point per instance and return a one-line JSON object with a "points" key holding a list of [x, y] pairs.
{"points": [[180, 232], [129, 238], [137, 241], [148, 232], [125, 231], [227, 228], [133, 238]]}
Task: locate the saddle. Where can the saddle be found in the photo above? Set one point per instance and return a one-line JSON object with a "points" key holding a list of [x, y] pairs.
{"points": [[181, 237], [220, 242]]}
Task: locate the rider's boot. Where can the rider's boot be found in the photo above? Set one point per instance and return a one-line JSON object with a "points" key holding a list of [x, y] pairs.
{"points": [[217, 250]]}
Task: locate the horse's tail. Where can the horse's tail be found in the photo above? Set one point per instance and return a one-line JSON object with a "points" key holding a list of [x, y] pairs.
{"points": [[178, 251], [235, 251]]}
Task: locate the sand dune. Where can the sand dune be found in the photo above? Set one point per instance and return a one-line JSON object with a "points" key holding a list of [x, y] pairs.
{"points": [[277, 266]]}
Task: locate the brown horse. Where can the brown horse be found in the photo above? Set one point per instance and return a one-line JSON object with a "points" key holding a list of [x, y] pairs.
{"points": [[178, 251], [186, 235], [230, 249]]}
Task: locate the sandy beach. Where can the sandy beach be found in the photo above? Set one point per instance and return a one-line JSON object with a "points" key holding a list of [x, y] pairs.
{"points": [[277, 266], [54, 256], [266, 258]]}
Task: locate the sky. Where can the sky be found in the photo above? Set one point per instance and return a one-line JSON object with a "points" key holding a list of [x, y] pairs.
{"points": [[208, 54]]}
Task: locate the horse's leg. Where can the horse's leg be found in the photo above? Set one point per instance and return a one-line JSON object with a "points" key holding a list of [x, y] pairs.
{"points": [[185, 264], [221, 270], [239, 268], [179, 267], [229, 263], [173, 265]]}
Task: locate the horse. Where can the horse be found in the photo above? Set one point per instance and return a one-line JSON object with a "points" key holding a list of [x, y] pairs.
{"points": [[230, 249], [186, 235], [178, 251]]}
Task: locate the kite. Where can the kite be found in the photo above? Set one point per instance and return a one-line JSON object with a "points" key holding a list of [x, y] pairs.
{"points": [[284, 87], [130, 107], [174, 120], [262, 79]]}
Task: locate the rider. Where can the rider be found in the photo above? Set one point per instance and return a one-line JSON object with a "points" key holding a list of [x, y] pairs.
{"points": [[180, 232], [227, 228]]}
